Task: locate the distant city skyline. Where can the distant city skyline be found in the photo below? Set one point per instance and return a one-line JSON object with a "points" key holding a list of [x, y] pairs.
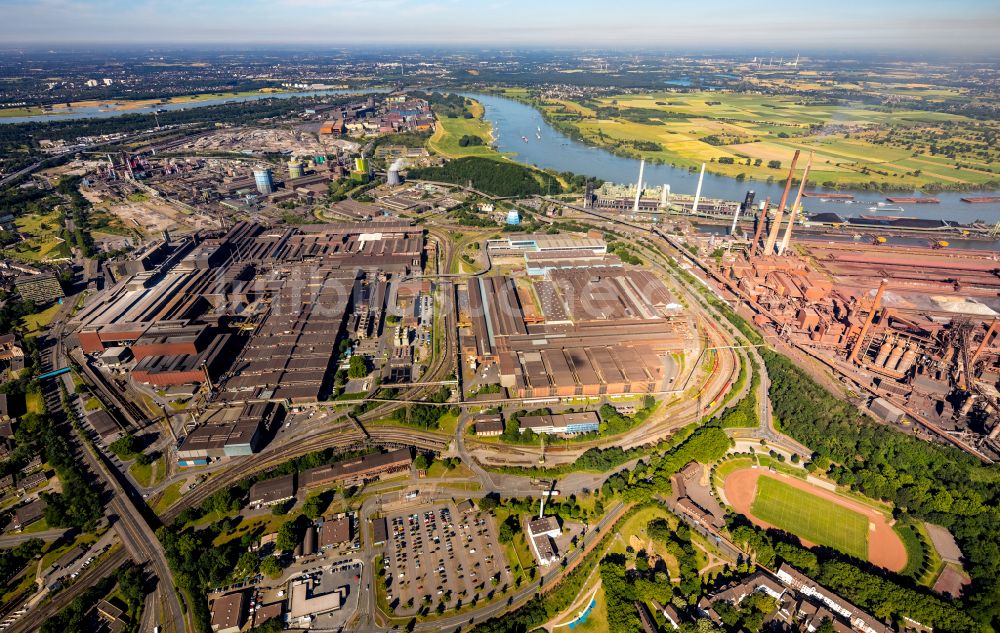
{"points": [[965, 27]]}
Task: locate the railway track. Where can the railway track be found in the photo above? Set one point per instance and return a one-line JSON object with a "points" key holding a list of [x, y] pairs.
{"points": [[33, 619], [331, 438]]}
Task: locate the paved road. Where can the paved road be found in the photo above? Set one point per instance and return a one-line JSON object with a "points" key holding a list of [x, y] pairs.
{"points": [[766, 430], [135, 529], [11, 540]]}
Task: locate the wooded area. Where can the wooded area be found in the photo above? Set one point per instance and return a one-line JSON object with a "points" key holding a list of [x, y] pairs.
{"points": [[937, 483]]}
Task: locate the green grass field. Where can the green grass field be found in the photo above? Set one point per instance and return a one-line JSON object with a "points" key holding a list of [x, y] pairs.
{"points": [[809, 517], [41, 238], [448, 132], [35, 323], [171, 494]]}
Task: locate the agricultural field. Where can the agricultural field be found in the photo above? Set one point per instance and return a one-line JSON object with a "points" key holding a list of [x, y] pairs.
{"points": [[814, 519], [755, 135]]}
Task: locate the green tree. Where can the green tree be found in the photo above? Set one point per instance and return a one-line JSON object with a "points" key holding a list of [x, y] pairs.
{"points": [[358, 367], [271, 567], [423, 461], [247, 565], [509, 529], [489, 503], [289, 536]]}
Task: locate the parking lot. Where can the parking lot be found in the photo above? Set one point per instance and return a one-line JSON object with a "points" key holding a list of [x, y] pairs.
{"points": [[436, 554]]}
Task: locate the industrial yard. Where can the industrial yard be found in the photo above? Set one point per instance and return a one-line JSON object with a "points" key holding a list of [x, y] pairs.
{"points": [[368, 360], [912, 325]]}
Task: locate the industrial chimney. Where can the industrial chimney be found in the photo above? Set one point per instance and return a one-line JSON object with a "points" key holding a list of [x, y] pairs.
{"points": [[868, 323], [697, 192], [796, 208], [745, 207], [638, 186], [779, 212], [760, 227]]}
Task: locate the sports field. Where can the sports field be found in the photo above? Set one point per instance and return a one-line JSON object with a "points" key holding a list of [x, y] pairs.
{"points": [[810, 517]]}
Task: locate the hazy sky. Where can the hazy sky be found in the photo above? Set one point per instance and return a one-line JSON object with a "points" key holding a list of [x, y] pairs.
{"points": [[969, 26]]}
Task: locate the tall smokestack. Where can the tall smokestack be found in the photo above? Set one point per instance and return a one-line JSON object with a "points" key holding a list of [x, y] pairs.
{"points": [[760, 227], [796, 207], [779, 212], [638, 187], [747, 206], [664, 194], [697, 192]]}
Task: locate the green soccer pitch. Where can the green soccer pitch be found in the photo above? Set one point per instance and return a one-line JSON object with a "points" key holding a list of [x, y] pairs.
{"points": [[810, 517]]}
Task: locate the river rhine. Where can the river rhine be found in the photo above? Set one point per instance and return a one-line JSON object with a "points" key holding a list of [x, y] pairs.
{"points": [[513, 121]]}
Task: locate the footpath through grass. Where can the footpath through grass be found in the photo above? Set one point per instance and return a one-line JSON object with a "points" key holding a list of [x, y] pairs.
{"points": [[810, 517]]}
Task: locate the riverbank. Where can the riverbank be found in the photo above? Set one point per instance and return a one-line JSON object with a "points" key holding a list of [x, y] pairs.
{"points": [[679, 131], [23, 111]]}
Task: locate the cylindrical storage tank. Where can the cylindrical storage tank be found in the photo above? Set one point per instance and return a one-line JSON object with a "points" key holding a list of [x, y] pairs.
{"points": [[883, 353], [909, 357], [894, 356], [295, 169], [393, 177], [264, 180]]}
